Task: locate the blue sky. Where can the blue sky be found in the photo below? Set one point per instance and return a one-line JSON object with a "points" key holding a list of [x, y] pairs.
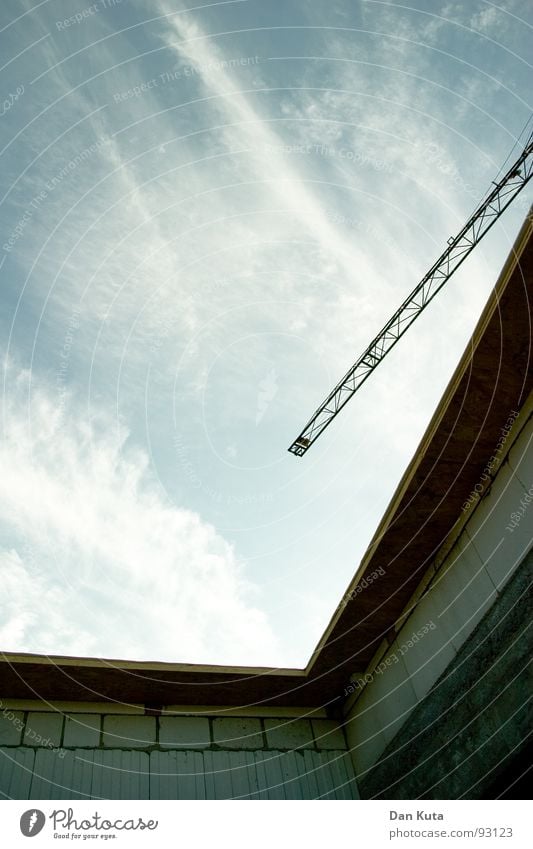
{"points": [[207, 213]]}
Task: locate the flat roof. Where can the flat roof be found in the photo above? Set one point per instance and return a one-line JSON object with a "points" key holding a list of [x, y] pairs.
{"points": [[494, 377]]}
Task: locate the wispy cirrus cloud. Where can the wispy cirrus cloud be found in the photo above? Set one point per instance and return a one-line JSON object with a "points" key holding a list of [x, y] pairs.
{"points": [[283, 181]]}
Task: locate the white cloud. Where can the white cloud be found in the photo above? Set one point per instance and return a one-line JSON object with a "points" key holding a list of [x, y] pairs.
{"points": [[103, 565]]}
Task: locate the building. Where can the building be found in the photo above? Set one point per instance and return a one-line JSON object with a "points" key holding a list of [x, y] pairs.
{"points": [[418, 687]]}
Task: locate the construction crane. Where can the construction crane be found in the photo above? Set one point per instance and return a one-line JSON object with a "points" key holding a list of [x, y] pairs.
{"points": [[486, 214]]}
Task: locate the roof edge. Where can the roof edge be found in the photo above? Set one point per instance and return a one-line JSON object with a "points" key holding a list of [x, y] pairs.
{"points": [[510, 265]]}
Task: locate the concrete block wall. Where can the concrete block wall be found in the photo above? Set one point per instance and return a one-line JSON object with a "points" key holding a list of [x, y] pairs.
{"points": [[468, 738], [465, 580], [84, 755]]}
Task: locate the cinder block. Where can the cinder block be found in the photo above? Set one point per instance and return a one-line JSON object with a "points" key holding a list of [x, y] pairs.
{"points": [[340, 776], [244, 783], [237, 733], [16, 772], [129, 732], [271, 780], [218, 768], [500, 545], [43, 729], [177, 775], [521, 456], [284, 734], [11, 725], [184, 732], [379, 713], [63, 775], [328, 734], [425, 643], [463, 593], [82, 729], [119, 774]]}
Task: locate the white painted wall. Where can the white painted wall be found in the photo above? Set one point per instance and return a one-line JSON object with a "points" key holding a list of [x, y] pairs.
{"points": [[473, 565]]}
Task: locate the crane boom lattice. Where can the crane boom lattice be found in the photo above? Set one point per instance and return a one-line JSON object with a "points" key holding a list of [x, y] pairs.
{"points": [[486, 214]]}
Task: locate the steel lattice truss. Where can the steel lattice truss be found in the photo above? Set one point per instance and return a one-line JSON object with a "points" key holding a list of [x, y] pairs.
{"points": [[457, 251]]}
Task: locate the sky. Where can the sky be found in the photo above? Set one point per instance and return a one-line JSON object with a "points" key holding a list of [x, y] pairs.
{"points": [[206, 214]]}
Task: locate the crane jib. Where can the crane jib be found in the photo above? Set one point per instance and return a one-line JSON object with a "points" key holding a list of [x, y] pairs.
{"points": [[459, 248]]}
